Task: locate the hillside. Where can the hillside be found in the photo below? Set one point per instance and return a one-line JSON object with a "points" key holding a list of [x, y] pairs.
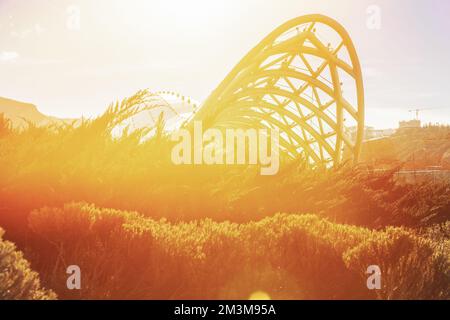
{"points": [[20, 113], [418, 148]]}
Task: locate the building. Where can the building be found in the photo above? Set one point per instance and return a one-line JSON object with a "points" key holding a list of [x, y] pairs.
{"points": [[409, 124]]}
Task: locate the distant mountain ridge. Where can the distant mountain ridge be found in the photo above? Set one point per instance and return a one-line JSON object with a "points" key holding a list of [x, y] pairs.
{"points": [[19, 113]]}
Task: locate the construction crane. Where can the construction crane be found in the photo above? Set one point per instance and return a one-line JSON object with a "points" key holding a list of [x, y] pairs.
{"points": [[417, 111]]}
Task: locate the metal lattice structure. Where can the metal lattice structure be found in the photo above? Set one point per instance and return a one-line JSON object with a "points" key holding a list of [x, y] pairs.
{"points": [[305, 80]]}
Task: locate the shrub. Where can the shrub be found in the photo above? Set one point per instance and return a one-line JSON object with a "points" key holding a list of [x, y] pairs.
{"points": [[193, 251], [113, 261], [412, 267], [125, 255], [84, 162], [17, 280]]}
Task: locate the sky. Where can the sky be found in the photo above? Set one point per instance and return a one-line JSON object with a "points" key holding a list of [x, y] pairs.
{"points": [[72, 58]]}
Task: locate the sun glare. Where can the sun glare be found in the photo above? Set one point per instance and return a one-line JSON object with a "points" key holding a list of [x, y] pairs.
{"points": [[259, 295], [172, 13], [221, 153]]}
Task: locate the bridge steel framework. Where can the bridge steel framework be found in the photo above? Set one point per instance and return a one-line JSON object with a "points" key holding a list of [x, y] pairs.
{"points": [[305, 80]]}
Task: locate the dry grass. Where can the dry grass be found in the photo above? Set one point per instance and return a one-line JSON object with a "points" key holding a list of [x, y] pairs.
{"points": [[208, 244]]}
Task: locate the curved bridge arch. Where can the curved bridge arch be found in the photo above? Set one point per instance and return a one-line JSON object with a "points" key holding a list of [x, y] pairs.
{"points": [[305, 79]]}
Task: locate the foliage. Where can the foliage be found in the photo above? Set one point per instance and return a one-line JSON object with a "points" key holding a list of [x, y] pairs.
{"points": [[84, 162], [17, 280], [210, 231], [5, 125], [125, 255], [412, 267]]}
